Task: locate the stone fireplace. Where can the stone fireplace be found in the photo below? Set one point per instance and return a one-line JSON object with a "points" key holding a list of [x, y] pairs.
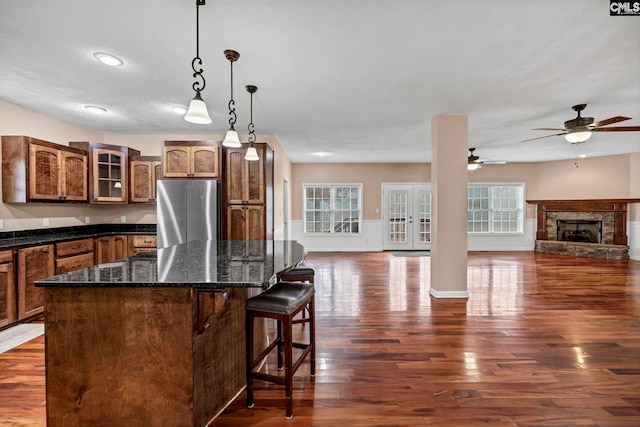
{"points": [[589, 228]]}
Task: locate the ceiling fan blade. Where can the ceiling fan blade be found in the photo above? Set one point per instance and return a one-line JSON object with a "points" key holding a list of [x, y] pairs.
{"points": [[610, 121], [549, 129], [495, 162], [618, 129], [546, 136]]}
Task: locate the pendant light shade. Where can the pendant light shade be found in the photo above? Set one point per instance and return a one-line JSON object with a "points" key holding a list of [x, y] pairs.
{"points": [[251, 154], [231, 139], [197, 112]]}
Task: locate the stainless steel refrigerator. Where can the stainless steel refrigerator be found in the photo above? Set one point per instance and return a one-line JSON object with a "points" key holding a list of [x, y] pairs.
{"points": [[187, 210]]}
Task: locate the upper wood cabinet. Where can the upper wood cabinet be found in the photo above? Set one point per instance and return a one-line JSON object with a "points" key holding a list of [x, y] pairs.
{"points": [[108, 171], [244, 180], [37, 170], [144, 171], [191, 159]]}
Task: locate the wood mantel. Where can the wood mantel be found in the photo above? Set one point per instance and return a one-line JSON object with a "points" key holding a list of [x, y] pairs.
{"points": [[617, 206]]}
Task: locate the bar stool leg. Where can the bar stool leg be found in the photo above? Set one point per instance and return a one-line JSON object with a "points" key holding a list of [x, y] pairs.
{"points": [[249, 356], [288, 367], [280, 346], [312, 334]]}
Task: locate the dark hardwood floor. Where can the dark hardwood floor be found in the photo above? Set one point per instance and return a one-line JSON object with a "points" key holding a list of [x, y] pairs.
{"points": [[543, 340]]}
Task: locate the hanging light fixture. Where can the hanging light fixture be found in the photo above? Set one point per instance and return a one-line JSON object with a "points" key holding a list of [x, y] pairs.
{"points": [[231, 139], [197, 112], [251, 154]]}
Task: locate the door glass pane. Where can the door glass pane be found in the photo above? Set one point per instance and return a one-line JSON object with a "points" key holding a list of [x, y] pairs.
{"points": [[425, 217], [398, 205]]}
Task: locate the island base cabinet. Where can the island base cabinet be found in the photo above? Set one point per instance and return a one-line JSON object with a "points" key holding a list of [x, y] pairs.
{"points": [[142, 356]]}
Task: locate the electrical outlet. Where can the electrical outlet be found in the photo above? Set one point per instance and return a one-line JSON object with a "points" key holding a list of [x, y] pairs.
{"points": [[123, 219], [45, 222], [87, 220]]}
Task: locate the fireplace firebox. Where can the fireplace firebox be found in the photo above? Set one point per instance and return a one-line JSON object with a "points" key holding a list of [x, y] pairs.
{"points": [[575, 230]]}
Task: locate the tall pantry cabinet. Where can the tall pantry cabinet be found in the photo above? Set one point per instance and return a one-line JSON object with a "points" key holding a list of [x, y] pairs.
{"points": [[247, 194]]}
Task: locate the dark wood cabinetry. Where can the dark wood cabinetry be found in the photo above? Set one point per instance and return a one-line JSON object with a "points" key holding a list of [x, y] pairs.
{"points": [[144, 172], [248, 194], [142, 243], [34, 263], [108, 171], [37, 170], [74, 255], [191, 159], [110, 248], [8, 303]]}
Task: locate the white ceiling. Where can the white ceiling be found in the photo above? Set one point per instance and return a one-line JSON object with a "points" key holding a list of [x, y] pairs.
{"points": [[360, 79]]}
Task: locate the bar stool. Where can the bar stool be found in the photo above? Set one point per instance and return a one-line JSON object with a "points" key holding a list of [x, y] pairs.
{"points": [[300, 273], [280, 302]]}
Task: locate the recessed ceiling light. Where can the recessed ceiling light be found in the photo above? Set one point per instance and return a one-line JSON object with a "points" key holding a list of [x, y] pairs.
{"points": [[321, 154], [179, 109], [108, 59], [95, 109], [582, 156]]}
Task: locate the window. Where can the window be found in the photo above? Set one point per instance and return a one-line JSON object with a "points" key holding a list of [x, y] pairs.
{"points": [[495, 208], [332, 208]]}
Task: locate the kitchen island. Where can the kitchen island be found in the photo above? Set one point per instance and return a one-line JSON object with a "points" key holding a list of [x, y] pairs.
{"points": [[156, 339]]}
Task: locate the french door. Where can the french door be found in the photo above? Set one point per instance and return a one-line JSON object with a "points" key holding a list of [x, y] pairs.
{"points": [[407, 216]]}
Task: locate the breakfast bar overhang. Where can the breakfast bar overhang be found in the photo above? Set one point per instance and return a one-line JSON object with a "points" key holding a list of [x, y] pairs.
{"points": [[156, 339]]}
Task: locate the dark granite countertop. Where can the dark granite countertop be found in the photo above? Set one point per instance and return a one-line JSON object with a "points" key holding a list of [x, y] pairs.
{"points": [[25, 238], [199, 264]]}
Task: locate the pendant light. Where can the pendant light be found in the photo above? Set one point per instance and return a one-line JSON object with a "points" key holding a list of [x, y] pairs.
{"points": [[251, 154], [197, 112], [231, 139]]}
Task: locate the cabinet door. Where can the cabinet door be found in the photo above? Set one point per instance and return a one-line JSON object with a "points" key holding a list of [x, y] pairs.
{"points": [[244, 180], [109, 177], [34, 263], [120, 247], [142, 182], [8, 302], [175, 162], [104, 251], [204, 162], [254, 218], [74, 176], [45, 176], [245, 222]]}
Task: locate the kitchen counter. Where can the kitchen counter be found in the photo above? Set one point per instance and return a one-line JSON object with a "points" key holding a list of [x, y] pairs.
{"points": [[203, 264], [156, 339], [44, 236]]}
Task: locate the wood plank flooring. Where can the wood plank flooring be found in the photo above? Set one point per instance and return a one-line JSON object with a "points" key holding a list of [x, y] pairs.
{"points": [[543, 340]]}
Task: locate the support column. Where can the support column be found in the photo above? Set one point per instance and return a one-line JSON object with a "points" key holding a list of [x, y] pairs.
{"points": [[449, 143]]}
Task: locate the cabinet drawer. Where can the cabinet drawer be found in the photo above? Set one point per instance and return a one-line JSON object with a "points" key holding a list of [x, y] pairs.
{"points": [[74, 247], [145, 241], [6, 256], [73, 263]]}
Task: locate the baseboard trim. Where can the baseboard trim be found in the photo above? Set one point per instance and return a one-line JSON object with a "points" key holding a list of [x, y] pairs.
{"points": [[448, 294]]}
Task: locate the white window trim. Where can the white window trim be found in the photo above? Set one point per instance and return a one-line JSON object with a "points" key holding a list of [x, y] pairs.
{"points": [[521, 209], [332, 184]]}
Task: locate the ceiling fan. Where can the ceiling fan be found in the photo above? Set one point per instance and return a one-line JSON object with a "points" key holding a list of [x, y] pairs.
{"points": [[475, 162], [578, 130]]}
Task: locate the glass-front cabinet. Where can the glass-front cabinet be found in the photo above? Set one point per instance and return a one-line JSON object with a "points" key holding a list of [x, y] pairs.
{"points": [[108, 171]]}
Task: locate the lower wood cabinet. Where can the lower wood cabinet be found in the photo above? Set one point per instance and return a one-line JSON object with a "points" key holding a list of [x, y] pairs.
{"points": [[74, 255], [142, 243], [245, 222], [34, 263], [8, 303], [110, 248]]}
